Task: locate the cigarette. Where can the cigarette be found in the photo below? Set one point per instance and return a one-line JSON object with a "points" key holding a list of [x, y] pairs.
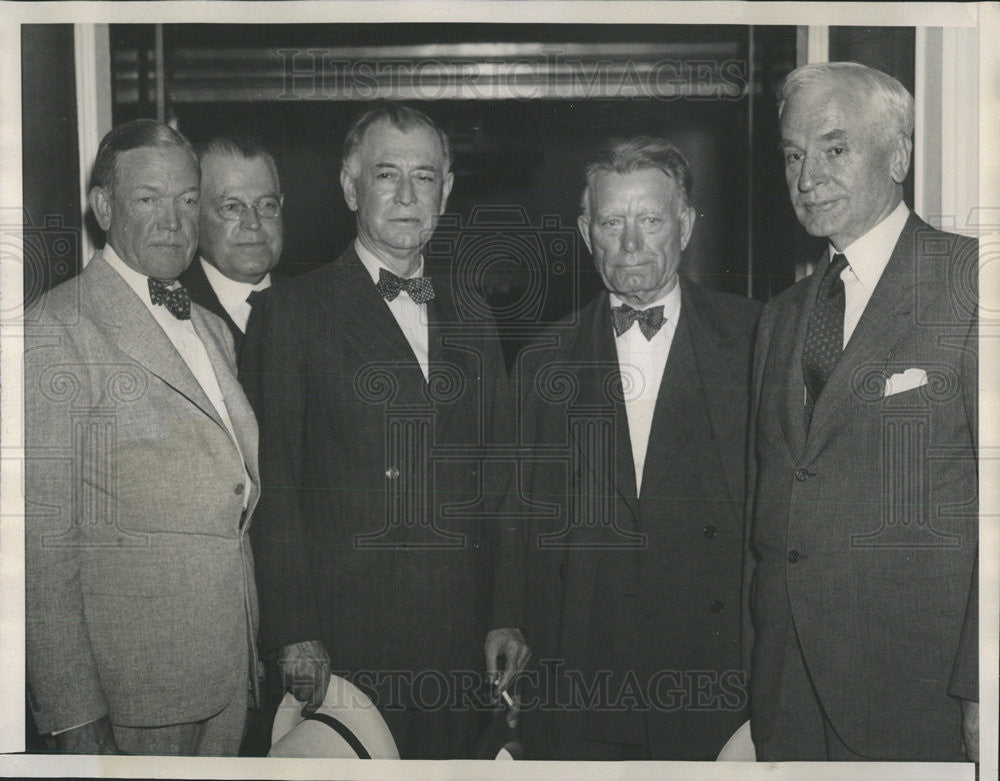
{"points": [[507, 698]]}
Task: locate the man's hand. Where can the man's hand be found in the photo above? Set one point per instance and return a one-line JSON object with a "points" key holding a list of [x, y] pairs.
{"points": [[305, 672], [970, 729], [510, 645], [96, 737]]}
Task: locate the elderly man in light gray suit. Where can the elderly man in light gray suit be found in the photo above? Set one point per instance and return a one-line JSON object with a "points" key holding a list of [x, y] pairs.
{"points": [[141, 474]]}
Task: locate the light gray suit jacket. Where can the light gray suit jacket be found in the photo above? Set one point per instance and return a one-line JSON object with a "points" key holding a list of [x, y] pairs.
{"points": [[140, 596]]}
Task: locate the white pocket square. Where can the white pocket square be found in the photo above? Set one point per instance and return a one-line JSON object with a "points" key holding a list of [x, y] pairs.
{"points": [[904, 381]]}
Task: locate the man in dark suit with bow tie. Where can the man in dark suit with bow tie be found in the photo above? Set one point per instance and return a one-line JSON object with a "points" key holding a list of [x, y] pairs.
{"points": [[639, 404], [380, 549], [864, 597], [239, 229]]}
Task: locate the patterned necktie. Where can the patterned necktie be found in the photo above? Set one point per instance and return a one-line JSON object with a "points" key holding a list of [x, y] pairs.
{"points": [[650, 320], [176, 300], [389, 286], [825, 332]]}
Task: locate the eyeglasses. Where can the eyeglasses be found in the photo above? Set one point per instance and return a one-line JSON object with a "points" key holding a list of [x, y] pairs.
{"points": [[233, 209]]}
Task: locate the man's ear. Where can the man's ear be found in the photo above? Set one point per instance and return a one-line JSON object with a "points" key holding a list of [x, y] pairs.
{"points": [[350, 192], [688, 217], [446, 185], [100, 202], [583, 225], [902, 150]]}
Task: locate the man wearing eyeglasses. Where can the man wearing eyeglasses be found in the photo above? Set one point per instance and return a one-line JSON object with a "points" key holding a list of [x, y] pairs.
{"points": [[240, 229]]}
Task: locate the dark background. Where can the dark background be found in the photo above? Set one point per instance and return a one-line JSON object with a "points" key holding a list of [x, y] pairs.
{"points": [[511, 226]]}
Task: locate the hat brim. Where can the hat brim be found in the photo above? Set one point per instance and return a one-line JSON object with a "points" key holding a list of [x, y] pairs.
{"points": [[292, 735]]}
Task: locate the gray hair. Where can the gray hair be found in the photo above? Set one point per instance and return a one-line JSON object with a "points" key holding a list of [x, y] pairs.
{"points": [[638, 153], [884, 93], [238, 145], [136, 134], [403, 118]]}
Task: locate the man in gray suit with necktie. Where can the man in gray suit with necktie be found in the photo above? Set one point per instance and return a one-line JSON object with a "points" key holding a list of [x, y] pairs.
{"points": [[864, 491], [141, 474]]}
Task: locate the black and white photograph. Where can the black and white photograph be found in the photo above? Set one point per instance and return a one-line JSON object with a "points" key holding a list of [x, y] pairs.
{"points": [[401, 390]]}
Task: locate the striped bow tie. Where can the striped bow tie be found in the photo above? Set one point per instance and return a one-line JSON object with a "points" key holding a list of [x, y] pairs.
{"points": [[389, 286], [176, 300], [650, 320]]}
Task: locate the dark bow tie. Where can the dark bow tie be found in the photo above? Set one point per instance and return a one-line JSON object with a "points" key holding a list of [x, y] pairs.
{"points": [[389, 285], [650, 320], [176, 300]]}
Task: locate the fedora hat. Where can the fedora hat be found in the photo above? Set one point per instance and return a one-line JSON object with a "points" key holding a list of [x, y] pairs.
{"points": [[347, 726]]}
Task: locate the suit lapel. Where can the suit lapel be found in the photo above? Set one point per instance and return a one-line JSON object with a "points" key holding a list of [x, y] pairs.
{"points": [[593, 357], [725, 401], [672, 425], [441, 321], [704, 379], [596, 356], [785, 357], [202, 292], [240, 414], [448, 351], [356, 310], [885, 320], [140, 336]]}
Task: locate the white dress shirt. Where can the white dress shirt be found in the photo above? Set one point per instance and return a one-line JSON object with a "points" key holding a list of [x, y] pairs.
{"points": [[410, 316], [233, 294], [641, 364], [188, 344], [867, 258]]}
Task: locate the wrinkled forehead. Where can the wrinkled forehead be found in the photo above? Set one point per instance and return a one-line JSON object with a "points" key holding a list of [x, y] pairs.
{"points": [[642, 187], [155, 164], [418, 144], [222, 172], [838, 100]]}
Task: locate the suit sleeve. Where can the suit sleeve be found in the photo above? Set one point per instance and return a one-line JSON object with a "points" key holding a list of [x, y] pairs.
{"points": [[271, 372], [965, 672], [762, 342], [64, 687]]}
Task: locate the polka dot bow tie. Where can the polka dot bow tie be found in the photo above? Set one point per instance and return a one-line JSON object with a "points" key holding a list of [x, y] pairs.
{"points": [[389, 286], [650, 320], [176, 300]]}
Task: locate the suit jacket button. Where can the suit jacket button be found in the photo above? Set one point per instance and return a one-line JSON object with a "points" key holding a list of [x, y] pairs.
{"points": [[392, 473], [802, 475], [717, 606], [794, 556], [239, 489], [709, 531]]}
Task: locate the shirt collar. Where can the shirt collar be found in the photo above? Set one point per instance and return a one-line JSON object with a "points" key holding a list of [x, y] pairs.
{"points": [[231, 292], [373, 263], [671, 303], [136, 280], [869, 254]]}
